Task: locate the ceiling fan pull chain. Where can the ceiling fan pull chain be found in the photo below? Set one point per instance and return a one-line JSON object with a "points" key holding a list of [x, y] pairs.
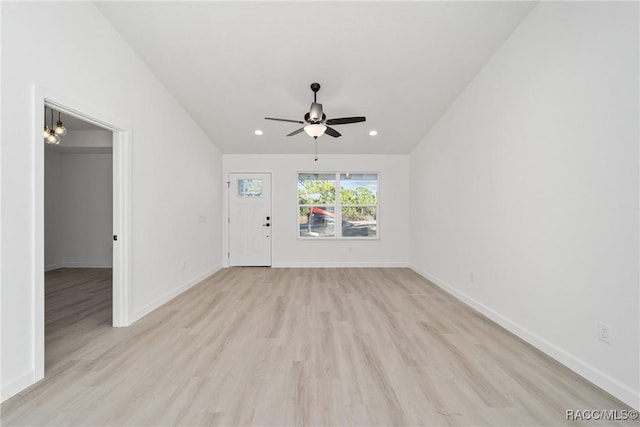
{"points": [[316, 142]]}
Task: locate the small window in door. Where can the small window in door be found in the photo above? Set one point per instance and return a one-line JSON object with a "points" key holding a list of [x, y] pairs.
{"points": [[250, 187]]}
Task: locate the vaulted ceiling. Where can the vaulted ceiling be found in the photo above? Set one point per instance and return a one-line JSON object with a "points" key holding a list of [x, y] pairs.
{"points": [[400, 64]]}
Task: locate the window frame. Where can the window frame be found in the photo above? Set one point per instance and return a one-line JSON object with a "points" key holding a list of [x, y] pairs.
{"points": [[337, 205]]}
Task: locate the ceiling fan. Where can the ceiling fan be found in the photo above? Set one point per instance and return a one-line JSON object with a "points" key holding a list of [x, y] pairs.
{"points": [[315, 121]]}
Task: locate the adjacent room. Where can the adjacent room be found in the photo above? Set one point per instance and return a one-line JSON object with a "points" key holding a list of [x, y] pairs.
{"points": [[78, 207], [320, 213]]}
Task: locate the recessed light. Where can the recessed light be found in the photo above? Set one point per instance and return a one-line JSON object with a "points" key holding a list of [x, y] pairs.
{"points": [[258, 132], [373, 132]]}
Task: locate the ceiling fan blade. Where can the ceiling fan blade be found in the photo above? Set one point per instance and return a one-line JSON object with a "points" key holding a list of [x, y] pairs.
{"points": [[332, 132], [345, 120], [284, 120], [295, 132]]}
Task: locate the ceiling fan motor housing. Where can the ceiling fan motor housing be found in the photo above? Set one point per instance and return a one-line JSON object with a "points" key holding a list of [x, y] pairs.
{"points": [[315, 112]]}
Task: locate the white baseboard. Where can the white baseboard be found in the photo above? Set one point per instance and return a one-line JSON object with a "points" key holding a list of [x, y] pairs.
{"points": [[77, 265], [16, 385], [340, 265], [160, 301], [51, 267], [592, 374]]}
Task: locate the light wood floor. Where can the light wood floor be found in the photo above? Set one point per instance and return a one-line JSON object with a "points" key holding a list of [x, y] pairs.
{"points": [[284, 347]]}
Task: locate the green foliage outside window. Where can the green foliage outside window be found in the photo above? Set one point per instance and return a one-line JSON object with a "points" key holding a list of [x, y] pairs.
{"points": [[316, 192], [358, 196]]}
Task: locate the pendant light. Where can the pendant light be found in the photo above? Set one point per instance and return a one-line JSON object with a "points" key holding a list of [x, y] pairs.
{"points": [[45, 133], [60, 129], [51, 137]]}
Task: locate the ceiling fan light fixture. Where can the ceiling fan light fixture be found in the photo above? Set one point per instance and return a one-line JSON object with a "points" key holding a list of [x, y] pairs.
{"points": [[315, 130]]}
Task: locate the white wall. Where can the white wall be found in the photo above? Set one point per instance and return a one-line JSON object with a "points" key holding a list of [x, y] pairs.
{"points": [[53, 215], [391, 249], [78, 210], [176, 169], [530, 183], [85, 138]]}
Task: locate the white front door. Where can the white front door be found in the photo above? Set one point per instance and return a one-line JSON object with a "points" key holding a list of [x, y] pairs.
{"points": [[250, 219]]}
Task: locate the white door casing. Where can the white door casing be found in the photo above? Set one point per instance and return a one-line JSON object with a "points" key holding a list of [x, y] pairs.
{"points": [[250, 221]]}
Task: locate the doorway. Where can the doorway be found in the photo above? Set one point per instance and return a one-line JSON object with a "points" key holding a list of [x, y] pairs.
{"points": [[78, 206], [250, 221], [121, 211]]}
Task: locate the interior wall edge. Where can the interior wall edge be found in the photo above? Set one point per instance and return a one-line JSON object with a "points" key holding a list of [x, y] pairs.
{"points": [[607, 383]]}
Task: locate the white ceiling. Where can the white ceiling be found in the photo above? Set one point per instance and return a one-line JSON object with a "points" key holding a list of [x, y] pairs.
{"points": [[400, 64]]}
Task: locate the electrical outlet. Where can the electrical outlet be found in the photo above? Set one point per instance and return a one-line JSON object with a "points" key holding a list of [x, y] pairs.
{"points": [[603, 333]]}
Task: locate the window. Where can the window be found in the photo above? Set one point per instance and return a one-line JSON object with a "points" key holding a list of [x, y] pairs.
{"points": [[250, 187], [317, 204], [348, 199], [359, 204]]}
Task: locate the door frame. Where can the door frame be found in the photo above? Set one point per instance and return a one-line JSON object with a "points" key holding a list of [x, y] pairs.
{"points": [[122, 214], [226, 262]]}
